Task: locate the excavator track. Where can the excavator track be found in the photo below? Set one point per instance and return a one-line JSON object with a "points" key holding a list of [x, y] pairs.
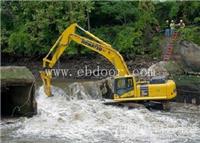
{"points": [[151, 105]]}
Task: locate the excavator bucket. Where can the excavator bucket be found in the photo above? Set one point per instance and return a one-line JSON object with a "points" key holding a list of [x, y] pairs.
{"points": [[46, 78]]}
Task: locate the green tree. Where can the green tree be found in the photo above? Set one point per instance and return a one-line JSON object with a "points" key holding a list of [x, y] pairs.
{"points": [[35, 26], [31, 28]]}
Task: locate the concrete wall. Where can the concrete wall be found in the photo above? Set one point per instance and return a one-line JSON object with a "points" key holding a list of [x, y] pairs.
{"points": [[17, 92]]}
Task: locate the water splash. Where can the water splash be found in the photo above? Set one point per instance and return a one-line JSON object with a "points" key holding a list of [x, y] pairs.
{"points": [[70, 119]]}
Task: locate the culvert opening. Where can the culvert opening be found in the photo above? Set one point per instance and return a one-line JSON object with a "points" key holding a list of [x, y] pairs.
{"points": [[17, 91], [17, 100]]}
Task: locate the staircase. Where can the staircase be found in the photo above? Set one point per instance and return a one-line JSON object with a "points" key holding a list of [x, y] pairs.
{"points": [[169, 49]]}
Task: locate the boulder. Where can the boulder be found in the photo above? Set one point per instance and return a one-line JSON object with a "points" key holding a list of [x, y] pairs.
{"points": [[91, 89], [165, 69], [159, 69], [188, 55]]}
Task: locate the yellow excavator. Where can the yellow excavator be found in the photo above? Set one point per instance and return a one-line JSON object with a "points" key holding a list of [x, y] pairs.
{"points": [[126, 88]]}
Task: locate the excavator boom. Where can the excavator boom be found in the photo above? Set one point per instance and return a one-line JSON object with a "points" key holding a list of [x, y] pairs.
{"points": [[93, 43]]}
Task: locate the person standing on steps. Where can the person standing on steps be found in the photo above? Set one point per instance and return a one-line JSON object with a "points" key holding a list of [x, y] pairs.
{"points": [[167, 29], [172, 27], [181, 24]]}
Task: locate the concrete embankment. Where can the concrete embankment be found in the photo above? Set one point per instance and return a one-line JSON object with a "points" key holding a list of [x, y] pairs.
{"points": [[17, 92]]}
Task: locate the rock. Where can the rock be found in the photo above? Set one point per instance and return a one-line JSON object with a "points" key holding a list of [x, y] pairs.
{"points": [[165, 69], [188, 54], [92, 89], [173, 68], [159, 69]]}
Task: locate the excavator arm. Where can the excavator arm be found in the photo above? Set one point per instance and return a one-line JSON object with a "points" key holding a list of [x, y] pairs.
{"points": [[92, 43]]}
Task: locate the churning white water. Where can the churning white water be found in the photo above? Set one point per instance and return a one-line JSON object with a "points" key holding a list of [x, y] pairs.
{"points": [[81, 118]]}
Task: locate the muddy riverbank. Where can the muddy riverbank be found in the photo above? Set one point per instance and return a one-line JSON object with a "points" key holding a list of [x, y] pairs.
{"points": [[91, 62]]}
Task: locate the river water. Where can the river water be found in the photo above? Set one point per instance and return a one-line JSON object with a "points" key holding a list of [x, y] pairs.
{"points": [[82, 118]]}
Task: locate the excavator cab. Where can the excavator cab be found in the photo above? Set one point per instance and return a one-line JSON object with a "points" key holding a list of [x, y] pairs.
{"points": [[128, 89], [124, 87]]}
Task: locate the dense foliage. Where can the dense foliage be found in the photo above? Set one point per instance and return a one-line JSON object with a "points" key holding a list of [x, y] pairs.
{"points": [[31, 28]]}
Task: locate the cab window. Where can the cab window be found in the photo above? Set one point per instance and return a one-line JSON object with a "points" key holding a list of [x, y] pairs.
{"points": [[123, 85]]}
